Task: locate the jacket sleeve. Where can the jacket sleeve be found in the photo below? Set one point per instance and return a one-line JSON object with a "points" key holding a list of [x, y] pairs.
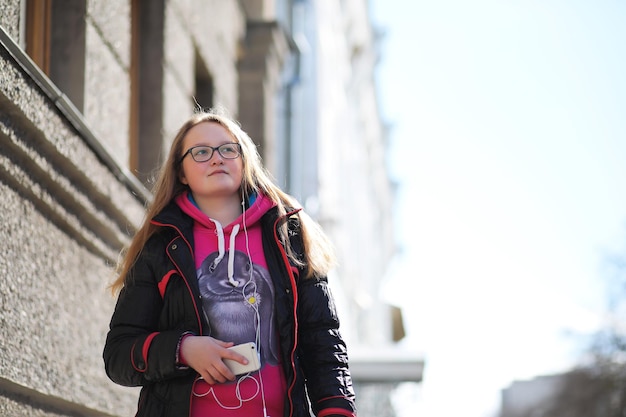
{"points": [[136, 351], [323, 351]]}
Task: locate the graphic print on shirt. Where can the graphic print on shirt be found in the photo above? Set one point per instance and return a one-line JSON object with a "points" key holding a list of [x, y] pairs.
{"points": [[231, 310]]}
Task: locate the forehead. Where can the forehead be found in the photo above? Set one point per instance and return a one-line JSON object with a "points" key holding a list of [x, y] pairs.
{"points": [[208, 133]]}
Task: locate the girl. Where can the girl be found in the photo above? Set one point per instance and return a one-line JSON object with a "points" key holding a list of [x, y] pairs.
{"points": [[225, 258]]}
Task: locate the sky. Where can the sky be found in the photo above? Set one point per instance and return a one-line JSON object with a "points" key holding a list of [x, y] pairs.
{"points": [[508, 143]]}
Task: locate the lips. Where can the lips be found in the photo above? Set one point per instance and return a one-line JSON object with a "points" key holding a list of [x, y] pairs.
{"points": [[219, 171]]}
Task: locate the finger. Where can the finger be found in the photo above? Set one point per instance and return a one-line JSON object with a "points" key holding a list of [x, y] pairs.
{"points": [[223, 344], [236, 356], [207, 378], [221, 375], [223, 371]]}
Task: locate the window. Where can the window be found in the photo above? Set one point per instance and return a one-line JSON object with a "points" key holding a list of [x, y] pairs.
{"points": [[203, 85], [55, 40]]}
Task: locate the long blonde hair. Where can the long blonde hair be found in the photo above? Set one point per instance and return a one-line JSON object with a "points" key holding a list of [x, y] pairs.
{"points": [[318, 255]]}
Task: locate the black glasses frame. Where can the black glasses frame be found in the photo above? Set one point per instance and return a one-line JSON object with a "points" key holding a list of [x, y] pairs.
{"points": [[213, 149]]}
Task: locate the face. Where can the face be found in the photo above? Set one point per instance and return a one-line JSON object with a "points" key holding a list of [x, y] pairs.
{"points": [[218, 177]]}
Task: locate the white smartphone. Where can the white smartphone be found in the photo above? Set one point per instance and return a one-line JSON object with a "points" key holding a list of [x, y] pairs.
{"points": [[249, 351]]}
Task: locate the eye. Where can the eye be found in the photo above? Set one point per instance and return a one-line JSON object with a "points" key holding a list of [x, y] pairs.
{"points": [[200, 151], [229, 150]]}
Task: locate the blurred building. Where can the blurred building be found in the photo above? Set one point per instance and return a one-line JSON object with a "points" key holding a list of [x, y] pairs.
{"points": [[91, 93], [531, 398]]}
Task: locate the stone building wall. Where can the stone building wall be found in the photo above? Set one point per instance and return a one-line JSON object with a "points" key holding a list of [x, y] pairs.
{"points": [[64, 215]]}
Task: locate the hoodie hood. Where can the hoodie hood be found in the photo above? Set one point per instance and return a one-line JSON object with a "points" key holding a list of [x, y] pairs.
{"points": [[212, 236], [257, 206]]}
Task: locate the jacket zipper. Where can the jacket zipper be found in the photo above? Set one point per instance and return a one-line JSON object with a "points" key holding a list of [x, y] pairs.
{"points": [[295, 304]]}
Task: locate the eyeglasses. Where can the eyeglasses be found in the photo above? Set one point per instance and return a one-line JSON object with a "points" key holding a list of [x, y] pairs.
{"points": [[203, 153]]}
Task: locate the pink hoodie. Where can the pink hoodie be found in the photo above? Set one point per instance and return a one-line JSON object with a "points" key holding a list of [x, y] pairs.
{"points": [[238, 303]]}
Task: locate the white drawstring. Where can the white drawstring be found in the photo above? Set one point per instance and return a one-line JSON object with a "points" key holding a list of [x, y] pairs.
{"points": [[219, 231], [231, 257]]}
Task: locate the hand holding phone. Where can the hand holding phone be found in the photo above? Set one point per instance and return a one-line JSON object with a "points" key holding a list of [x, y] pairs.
{"points": [[249, 351]]}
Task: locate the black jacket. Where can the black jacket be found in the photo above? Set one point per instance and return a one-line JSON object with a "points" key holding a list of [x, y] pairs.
{"points": [[162, 302]]}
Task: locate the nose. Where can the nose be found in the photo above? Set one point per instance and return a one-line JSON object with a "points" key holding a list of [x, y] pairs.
{"points": [[216, 158]]}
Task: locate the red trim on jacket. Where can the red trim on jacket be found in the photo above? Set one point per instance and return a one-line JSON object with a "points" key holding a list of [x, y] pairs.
{"points": [[146, 347], [164, 281], [132, 359], [294, 289], [295, 272], [335, 412], [144, 352]]}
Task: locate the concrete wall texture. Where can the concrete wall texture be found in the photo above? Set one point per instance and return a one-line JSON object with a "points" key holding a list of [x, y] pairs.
{"points": [[64, 216]]}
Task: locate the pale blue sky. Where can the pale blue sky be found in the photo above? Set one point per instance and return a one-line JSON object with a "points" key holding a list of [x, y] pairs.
{"points": [[509, 133]]}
